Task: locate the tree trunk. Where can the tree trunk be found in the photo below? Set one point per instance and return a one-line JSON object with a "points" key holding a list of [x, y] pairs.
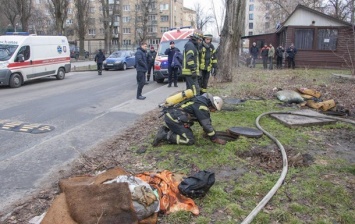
{"points": [[230, 39]]}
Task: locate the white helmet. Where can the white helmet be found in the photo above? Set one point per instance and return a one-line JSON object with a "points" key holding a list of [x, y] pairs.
{"points": [[216, 101]]}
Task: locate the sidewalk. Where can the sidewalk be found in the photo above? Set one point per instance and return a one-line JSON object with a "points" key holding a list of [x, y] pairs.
{"points": [[82, 65]]}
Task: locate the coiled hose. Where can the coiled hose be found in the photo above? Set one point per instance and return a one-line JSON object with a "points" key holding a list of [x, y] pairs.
{"points": [[279, 182]]}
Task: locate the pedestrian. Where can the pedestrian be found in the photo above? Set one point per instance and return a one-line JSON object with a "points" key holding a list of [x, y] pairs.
{"points": [[178, 120], [279, 56], [264, 55], [99, 59], [271, 56], [253, 51], [176, 64], [173, 73], [190, 67], [142, 68], [208, 59], [151, 58], [291, 52]]}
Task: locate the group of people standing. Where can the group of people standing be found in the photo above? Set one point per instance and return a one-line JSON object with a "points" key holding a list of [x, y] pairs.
{"points": [[268, 54], [195, 64]]}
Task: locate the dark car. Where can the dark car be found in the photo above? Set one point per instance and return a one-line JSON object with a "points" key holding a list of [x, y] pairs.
{"points": [[120, 60], [74, 53]]}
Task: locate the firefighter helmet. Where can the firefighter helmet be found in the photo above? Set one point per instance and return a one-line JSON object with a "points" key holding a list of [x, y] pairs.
{"points": [[208, 36], [216, 101], [196, 34]]}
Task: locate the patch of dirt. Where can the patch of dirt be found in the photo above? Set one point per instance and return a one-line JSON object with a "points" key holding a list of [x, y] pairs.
{"points": [[271, 159]]}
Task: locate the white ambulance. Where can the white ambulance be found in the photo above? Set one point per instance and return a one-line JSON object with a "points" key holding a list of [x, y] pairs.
{"points": [[27, 57]]}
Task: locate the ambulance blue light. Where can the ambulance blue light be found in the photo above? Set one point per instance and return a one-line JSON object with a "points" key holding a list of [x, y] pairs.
{"points": [[18, 33]]}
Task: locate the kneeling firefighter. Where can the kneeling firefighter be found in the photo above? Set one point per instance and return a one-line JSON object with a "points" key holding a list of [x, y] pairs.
{"points": [[178, 120]]}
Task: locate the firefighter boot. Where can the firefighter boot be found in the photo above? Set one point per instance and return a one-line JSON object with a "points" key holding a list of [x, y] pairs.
{"points": [[161, 135]]}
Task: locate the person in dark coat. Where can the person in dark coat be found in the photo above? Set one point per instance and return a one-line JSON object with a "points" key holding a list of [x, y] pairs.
{"points": [[265, 55], [173, 73], [177, 64], [142, 68], [279, 56], [254, 51], [178, 120], [291, 54], [99, 59], [151, 57]]}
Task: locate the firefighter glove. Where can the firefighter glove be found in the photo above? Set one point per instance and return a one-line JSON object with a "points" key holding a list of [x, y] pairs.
{"points": [[219, 141]]}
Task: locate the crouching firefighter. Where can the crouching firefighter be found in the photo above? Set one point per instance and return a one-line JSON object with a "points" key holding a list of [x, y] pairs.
{"points": [[178, 120]]}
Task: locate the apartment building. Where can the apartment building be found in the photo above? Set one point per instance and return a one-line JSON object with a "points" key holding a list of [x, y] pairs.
{"points": [[129, 18]]}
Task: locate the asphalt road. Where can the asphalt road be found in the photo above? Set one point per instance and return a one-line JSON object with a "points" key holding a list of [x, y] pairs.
{"points": [[84, 109]]}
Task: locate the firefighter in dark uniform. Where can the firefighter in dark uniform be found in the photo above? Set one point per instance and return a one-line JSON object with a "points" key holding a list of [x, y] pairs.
{"points": [[208, 60], [178, 120], [190, 65]]}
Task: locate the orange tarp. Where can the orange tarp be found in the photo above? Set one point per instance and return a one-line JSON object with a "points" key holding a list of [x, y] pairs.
{"points": [[170, 198]]}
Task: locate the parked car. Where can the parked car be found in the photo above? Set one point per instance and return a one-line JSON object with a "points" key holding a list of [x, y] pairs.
{"points": [[74, 53], [120, 60]]}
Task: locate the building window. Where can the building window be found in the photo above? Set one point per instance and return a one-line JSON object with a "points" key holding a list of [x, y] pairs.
{"points": [[250, 33], [125, 19], [164, 6], [251, 7], [102, 31], [152, 5], [138, 7], [304, 39], [327, 39], [151, 18], [251, 16], [91, 9], [251, 26], [164, 29], [91, 31], [267, 15], [152, 29], [126, 30], [251, 0], [69, 21], [117, 18], [70, 11], [164, 18], [153, 41], [126, 42], [126, 8]]}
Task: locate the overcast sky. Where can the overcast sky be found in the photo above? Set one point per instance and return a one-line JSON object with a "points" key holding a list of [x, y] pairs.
{"points": [[207, 5]]}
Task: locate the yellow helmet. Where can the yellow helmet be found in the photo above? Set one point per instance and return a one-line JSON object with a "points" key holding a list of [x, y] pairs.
{"points": [[208, 36]]}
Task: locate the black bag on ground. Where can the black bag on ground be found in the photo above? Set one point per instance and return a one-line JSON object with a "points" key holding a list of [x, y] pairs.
{"points": [[197, 186]]}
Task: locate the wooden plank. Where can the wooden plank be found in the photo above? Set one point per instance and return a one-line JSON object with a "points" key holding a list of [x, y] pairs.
{"points": [[291, 120]]}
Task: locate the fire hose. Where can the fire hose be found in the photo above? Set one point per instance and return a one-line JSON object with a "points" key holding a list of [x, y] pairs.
{"points": [[279, 182]]}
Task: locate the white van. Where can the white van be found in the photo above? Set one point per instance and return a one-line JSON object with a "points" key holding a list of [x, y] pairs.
{"points": [[25, 58]]}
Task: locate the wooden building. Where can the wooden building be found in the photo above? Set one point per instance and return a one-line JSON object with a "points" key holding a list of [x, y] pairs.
{"points": [[321, 40]]}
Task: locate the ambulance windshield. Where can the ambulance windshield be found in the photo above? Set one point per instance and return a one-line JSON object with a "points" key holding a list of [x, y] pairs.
{"points": [[166, 44], [6, 51]]}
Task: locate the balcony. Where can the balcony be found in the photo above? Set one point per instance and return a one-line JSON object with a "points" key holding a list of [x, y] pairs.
{"points": [[115, 35]]}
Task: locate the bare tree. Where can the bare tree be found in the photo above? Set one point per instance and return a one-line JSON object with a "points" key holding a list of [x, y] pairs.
{"points": [[142, 20], [59, 12], [24, 9], [109, 12], [9, 10], [82, 8], [38, 21], [232, 31], [215, 16], [203, 17]]}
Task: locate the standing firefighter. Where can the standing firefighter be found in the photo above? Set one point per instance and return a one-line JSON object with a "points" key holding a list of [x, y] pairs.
{"points": [[178, 120], [190, 65], [208, 60]]}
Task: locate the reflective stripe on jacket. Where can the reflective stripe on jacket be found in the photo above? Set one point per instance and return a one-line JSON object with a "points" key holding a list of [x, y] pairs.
{"points": [[191, 59], [207, 57]]}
